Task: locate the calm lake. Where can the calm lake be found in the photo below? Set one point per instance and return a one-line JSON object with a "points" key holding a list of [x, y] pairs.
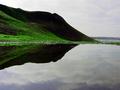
{"points": [[85, 67]]}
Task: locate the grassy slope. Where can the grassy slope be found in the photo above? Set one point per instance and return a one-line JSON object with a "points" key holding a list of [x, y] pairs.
{"points": [[27, 33]]}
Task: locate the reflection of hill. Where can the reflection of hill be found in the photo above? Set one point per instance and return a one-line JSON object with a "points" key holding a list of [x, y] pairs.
{"points": [[37, 54]]}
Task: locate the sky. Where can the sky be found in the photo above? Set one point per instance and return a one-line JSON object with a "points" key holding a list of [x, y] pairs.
{"points": [[92, 17]]}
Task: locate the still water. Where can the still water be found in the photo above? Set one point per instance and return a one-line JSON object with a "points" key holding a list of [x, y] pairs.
{"points": [[85, 67]]}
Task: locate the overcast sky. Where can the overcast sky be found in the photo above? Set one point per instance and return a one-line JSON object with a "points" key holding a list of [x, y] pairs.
{"points": [[92, 17]]}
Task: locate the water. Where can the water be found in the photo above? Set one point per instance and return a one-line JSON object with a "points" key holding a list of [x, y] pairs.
{"points": [[85, 67], [109, 40]]}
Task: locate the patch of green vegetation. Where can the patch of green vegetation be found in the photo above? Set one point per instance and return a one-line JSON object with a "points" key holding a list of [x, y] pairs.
{"points": [[19, 51], [26, 32], [113, 43]]}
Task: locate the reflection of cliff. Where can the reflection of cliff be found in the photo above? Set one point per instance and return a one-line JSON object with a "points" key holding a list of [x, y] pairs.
{"points": [[17, 25], [37, 54]]}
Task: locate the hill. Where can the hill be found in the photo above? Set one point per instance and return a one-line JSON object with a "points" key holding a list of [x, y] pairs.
{"points": [[37, 37]]}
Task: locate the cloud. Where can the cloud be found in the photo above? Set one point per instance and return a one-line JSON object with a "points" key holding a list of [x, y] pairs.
{"points": [[54, 85], [92, 17], [33, 5]]}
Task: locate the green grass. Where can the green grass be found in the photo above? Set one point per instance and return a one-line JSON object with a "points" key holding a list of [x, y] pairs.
{"points": [[27, 32], [31, 34], [112, 43]]}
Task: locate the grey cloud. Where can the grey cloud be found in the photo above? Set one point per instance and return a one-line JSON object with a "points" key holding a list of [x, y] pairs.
{"points": [[92, 17], [54, 85]]}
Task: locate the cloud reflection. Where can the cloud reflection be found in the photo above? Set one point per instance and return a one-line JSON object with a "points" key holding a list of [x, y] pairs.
{"points": [[86, 67]]}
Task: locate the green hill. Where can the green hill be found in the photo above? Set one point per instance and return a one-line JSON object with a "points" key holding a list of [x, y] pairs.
{"points": [[37, 37]]}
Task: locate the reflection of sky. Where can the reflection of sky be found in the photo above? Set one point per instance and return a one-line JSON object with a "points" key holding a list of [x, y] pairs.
{"points": [[86, 67]]}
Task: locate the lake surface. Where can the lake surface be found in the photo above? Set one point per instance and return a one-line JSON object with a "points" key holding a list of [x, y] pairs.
{"points": [[109, 40], [85, 67]]}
